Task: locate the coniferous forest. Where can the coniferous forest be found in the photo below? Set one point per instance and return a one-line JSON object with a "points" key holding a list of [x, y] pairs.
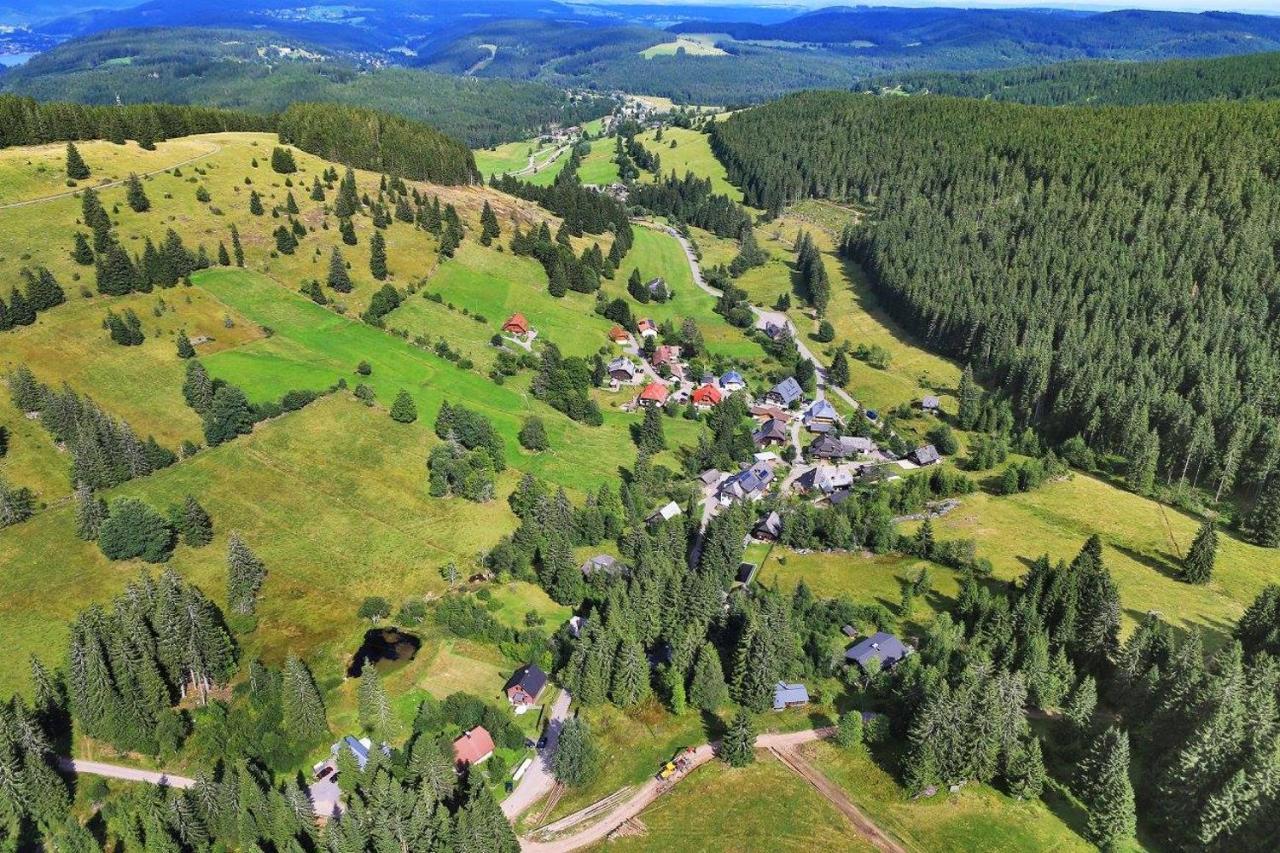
{"points": [[1111, 270]]}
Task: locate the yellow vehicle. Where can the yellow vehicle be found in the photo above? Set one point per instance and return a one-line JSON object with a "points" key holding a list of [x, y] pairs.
{"points": [[668, 770]]}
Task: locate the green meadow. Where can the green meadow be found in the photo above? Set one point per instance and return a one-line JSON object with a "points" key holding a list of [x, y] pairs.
{"points": [[690, 152]]}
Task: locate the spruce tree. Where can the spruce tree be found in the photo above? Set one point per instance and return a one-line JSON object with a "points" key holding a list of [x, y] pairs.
{"points": [[1026, 772], [229, 415], [348, 202], [185, 349], [197, 388], [300, 702], [317, 191], [374, 707], [224, 258], [630, 684], [970, 396], [1265, 518], [348, 231], [237, 250], [77, 169], [533, 434], [282, 161], [488, 225], [404, 410], [1107, 792], [339, 280], [132, 529], [738, 747], [576, 759], [90, 511], [135, 195], [196, 526], [82, 254], [378, 256], [1083, 701], [290, 203], [1198, 566], [245, 574], [255, 203], [707, 689]]}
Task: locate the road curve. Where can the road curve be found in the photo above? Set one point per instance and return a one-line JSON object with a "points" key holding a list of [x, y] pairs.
{"points": [[129, 774], [538, 780], [650, 790]]}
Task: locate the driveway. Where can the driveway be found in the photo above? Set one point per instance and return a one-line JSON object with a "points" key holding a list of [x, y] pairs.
{"points": [[538, 780], [129, 774]]}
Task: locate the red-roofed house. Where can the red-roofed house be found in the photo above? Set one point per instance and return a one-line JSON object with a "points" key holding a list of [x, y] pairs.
{"points": [[654, 394], [707, 396], [666, 354], [473, 747], [516, 325], [646, 328], [619, 335]]}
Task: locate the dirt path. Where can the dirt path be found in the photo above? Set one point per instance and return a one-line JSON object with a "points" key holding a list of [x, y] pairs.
{"points": [[482, 64], [631, 807], [872, 834], [537, 780], [109, 184], [130, 774]]}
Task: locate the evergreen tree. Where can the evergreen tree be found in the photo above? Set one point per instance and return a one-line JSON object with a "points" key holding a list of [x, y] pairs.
{"points": [[348, 231], [255, 203], [185, 349], [347, 203], [649, 436], [90, 511], [533, 434], [245, 574], [970, 396], [197, 388], [194, 523], [707, 689], [339, 280], [738, 747], [1107, 792], [132, 529], [301, 705], [77, 169], [576, 759], [488, 225], [290, 203], [404, 410], [317, 191], [224, 259], [849, 729], [838, 373], [374, 706], [1265, 518], [236, 249], [228, 415], [135, 195], [1026, 772], [282, 161], [82, 254], [1083, 701], [1198, 565], [630, 684], [378, 256]]}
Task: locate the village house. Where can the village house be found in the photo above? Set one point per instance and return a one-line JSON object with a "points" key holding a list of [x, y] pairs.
{"points": [[883, 648], [710, 477], [932, 405], [789, 696], [516, 325], [821, 416], [732, 381], [772, 431], [646, 328], [749, 484], [706, 397], [654, 394], [667, 355], [786, 392], [775, 331], [525, 684], [925, 455], [828, 446], [665, 513], [766, 413], [602, 563], [619, 336], [826, 479], [576, 624], [473, 747], [623, 370], [769, 528]]}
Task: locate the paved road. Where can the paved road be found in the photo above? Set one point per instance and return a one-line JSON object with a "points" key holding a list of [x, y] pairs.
{"points": [[537, 780], [107, 185], [647, 793], [130, 774], [762, 317]]}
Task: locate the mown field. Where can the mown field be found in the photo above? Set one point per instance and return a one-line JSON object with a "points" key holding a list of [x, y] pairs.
{"points": [[690, 153]]}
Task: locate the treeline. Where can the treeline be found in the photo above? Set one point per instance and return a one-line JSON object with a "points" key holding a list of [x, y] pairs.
{"points": [[26, 121], [691, 201], [583, 210], [379, 142], [1107, 270], [1254, 76]]}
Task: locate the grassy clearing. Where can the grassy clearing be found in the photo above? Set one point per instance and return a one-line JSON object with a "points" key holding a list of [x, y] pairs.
{"points": [[40, 170], [518, 598], [598, 166], [511, 156], [695, 44], [761, 807], [976, 818], [332, 498], [691, 153]]}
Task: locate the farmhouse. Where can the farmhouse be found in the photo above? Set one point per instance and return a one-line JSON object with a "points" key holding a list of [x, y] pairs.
{"points": [[525, 684], [764, 413], [646, 328], [748, 484], [516, 325], [666, 355], [789, 696], [654, 394], [775, 332], [732, 381], [883, 648], [706, 397], [826, 479], [772, 431], [769, 528], [602, 563], [925, 455], [623, 370], [710, 477], [931, 405], [820, 417], [786, 392], [619, 335], [665, 513], [473, 747], [657, 287]]}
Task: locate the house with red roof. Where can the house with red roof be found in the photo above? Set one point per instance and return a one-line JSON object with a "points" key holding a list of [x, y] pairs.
{"points": [[706, 397], [654, 394], [646, 328], [516, 325], [619, 335], [473, 747]]}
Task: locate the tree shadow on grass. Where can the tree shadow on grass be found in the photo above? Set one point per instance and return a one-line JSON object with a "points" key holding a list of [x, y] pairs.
{"points": [[713, 726], [1160, 563]]}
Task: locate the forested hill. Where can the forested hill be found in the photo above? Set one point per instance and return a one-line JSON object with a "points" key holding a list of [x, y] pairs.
{"points": [[1253, 76], [1114, 270], [266, 71]]}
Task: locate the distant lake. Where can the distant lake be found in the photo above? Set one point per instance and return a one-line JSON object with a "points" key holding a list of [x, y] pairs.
{"points": [[8, 60]]}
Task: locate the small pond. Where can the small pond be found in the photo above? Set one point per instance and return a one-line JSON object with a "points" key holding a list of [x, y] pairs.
{"points": [[384, 647]]}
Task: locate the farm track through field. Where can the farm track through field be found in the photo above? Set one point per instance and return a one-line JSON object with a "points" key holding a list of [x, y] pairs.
{"points": [[109, 184], [865, 827]]}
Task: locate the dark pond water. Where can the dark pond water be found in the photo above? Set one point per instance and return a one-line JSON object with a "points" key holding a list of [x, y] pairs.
{"points": [[384, 646]]}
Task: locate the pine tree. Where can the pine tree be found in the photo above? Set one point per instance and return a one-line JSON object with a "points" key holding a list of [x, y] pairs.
{"points": [[1198, 566], [82, 254], [1083, 701], [1107, 792], [707, 689], [195, 524], [348, 231], [374, 707], [185, 349], [738, 747], [378, 256], [236, 249], [135, 195], [1265, 518], [77, 169], [404, 410], [90, 512], [255, 203], [970, 396], [302, 707], [576, 759], [339, 280], [245, 574], [488, 225], [224, 259]]}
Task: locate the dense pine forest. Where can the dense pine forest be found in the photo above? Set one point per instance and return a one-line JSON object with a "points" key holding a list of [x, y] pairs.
{"points": [[1111, 270], [1228, 78]]}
